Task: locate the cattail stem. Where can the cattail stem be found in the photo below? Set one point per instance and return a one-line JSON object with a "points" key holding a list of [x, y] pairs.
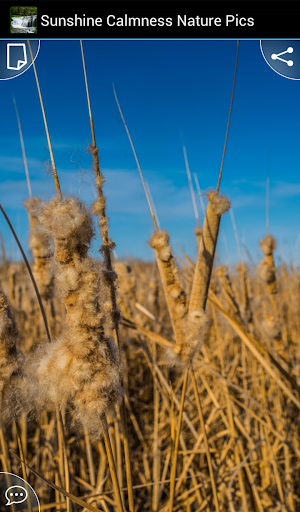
{"points": [[112, 466], [107, 249], [29, 270], [23, 148], [176, 443], [22, 457], [229, 116], [187, 167], [55, 175], [217, 205], [208, 455], [136, 159], [88, 95], [199, 193]]}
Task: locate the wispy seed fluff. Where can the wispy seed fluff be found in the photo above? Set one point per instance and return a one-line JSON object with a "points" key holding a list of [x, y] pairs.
{"points": [[40, 244], [9, 358], [195, 326], [82, 368]]}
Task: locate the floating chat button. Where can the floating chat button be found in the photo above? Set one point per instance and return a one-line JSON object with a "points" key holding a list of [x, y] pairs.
{"points": [[16, 494]]}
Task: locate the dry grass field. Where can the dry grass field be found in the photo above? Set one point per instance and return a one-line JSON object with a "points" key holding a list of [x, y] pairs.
{"points": [[135, 386]]}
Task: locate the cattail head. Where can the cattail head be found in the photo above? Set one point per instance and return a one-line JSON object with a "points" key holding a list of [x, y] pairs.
{"points": [[219, 203], [39, 241], [82, 368], [217, 206], [266, 272], [174, 293], [71, 225], [160, 242], [268, 245]]}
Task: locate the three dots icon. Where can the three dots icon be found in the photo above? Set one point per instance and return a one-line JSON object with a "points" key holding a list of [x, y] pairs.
{"points": [[276, 56]]}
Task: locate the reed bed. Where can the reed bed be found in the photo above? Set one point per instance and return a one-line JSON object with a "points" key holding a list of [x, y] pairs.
{"points": [[251, 422], [138, 386]]}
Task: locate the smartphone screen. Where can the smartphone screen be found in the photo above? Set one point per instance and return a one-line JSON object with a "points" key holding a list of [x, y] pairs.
{"points": [[149, 256]]}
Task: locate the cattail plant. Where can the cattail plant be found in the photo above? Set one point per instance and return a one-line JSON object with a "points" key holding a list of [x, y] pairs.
{"points": [[228, 292], [267, 270], [175, 296], [10, 358], [40, 245], [245, 294], [126, 288], [82, 367]]}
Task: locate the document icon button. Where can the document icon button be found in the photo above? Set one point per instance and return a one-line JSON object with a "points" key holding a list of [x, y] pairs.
{"points": [[13, 51]]}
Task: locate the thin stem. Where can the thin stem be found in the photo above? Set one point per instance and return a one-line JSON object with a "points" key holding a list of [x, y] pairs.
{"points": [[153, 205], [112, 466], [23, 149], [208, 455], [236, 236], [176, 444], [56, 180], [267, 204], [29, 270], [88, 95], [187, 167], [136, 159], [107, 252], [199, 193], [229, 116]]}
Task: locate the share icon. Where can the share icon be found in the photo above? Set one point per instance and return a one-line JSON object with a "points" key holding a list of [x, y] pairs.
{"points": [[276, 56]]}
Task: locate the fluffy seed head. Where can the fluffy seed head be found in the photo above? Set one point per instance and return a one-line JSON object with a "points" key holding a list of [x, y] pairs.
{"points": [[268, 245], [219, 203]]}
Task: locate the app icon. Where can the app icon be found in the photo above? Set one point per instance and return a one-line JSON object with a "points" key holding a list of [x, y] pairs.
{"points": [[23, 19]]}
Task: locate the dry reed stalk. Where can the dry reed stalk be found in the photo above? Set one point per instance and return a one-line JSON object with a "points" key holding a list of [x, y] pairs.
{"points": [[184, 349], [23, 148], [176, 443], [198, 229], [29, 270], [175, 296], [54, 171], [245, 295], [227, 289], [112, 466], [217, 206], [267, 268], [109, 275], [208, 455]]}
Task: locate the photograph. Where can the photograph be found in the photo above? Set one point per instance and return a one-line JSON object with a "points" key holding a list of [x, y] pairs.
{"points": [[23, 20], [150, 276]]}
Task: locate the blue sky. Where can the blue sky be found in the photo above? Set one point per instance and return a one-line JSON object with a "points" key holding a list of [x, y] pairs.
{"points": [[165, 88]]}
